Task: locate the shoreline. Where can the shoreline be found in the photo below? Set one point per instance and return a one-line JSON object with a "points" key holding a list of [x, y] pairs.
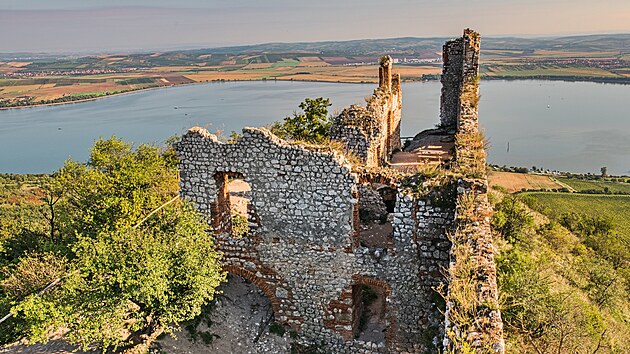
{"points": [[483, 78], [84, 99], [163, 87]]}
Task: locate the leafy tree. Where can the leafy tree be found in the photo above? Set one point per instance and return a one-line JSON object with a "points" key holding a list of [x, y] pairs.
{"points": [[313, 125], [127, 268], [604, 171]]}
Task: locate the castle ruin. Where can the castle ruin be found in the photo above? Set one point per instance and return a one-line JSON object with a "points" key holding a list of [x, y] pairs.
{"points": [[358, 256]]}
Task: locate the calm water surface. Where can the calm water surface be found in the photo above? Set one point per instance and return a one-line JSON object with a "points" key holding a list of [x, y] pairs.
{"points": [[572, 126]]}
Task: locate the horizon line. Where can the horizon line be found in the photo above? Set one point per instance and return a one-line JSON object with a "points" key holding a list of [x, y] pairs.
{"points": [[173, 48]]}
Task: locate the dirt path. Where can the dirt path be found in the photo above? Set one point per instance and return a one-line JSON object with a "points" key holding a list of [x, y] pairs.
{"points": [[234, 323]]}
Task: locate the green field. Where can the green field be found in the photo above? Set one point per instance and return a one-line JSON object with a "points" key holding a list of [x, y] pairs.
{"points": [[613, 207], [285, 63], [581, 185]]}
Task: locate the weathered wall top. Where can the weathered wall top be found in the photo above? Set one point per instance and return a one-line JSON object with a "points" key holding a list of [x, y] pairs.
{"points": [[373, 133]]}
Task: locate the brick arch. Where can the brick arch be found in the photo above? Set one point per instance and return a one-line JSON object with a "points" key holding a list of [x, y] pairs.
{"points": [[390, 334], [267, 289]]}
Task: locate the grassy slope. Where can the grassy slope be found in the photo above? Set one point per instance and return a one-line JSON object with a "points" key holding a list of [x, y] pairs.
{"points": [[560, 260]]}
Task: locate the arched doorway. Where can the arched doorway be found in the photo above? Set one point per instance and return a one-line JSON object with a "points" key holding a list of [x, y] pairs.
{"points": [[371, 320]]}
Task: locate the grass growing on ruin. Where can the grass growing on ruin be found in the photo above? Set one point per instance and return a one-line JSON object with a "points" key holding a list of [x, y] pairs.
{"points": [[470, 93], [467, 313], [471, 154]]}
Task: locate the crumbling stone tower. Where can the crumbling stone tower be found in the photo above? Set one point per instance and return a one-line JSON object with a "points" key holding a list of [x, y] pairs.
{"points": [[460, 83], [372, 133]]}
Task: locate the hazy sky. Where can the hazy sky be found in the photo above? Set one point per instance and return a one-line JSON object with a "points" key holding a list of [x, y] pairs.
{"points": [[109, 25]]}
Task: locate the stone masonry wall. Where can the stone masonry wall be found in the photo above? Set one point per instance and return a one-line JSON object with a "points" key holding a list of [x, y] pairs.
{"points": [[304, 255], [296, 192], [472, 228], [472, 251]]}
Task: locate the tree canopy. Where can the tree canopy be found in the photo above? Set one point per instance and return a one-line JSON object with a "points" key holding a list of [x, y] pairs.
{"points": [[313, 125], [124, 268]]}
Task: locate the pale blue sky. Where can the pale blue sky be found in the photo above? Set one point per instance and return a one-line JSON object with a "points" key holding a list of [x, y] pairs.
{"points": [[99, 25]]}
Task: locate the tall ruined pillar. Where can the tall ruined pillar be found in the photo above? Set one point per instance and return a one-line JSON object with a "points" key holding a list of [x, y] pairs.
{"points": [[385, 72], [394, 116], [460, 83]]}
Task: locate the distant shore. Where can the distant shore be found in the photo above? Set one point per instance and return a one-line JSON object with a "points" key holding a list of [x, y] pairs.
{"points": [[186, 84], [602, 80]]}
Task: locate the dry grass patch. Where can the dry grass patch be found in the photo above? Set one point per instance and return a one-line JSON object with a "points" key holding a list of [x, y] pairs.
{"points": [[312, 62], [516, 182]]}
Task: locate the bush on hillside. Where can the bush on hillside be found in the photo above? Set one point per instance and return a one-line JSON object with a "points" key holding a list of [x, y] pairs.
{"points": [[126, 270]]}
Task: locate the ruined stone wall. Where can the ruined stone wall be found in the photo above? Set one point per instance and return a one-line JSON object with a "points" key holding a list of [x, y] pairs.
{"points": [[460, 82], [472, 251], [305, 256], [296, 192], [372, 133], [472, 266], [305, 251], [371, 205]]}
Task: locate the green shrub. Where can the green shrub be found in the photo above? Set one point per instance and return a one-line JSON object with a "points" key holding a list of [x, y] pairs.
{"points": [[240, 225], [512, 219], [134, 261]]}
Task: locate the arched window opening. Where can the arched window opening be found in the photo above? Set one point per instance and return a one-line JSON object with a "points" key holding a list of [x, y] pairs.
{"points": [[241, 209], [233, 212]]}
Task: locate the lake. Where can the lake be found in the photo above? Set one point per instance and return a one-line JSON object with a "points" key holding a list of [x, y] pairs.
{"points": [[569, 126]]}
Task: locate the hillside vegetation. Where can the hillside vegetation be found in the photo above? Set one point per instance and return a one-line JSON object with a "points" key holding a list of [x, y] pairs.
{"points": [[564, 271], [596, 186], [614, 209]]}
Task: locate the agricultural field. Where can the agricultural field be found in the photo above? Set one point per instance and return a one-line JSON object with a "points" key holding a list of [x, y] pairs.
{"points": [[52, 89], [582, 185], [21, 203], [568, 71], [21, 189], [516, 182], [320, 72], [613, 207]]}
